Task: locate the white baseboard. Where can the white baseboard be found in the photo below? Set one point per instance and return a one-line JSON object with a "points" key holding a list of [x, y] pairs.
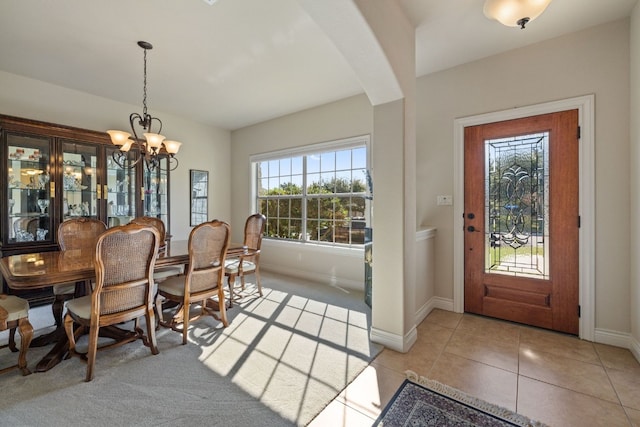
{"points": [[433, 303], [442, 303], [423, 312], [619, 339], [634, 347], [614, 338], [325, 279], [393, 341]]}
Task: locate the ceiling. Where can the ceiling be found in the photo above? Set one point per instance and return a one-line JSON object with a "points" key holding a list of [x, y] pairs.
{"points": [[235, 63]]}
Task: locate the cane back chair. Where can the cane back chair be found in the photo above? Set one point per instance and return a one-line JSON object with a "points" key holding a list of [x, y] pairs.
{"points": [[203, 279], [75, 234], [124, 290], [164, 272], [247, 264]]}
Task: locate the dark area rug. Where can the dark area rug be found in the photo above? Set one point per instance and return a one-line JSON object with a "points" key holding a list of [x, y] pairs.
{"points": [[423, 402]]}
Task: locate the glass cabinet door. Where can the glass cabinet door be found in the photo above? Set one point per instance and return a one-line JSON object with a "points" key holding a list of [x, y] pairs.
{"points": [[79, 180], [155, 192], [28, 188], [121, 190]]}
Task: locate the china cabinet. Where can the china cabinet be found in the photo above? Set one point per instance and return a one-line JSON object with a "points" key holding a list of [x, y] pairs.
{"points": [[51, 173], [156, 196]]}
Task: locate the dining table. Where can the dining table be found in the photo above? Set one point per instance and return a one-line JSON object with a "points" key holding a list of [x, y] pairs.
{"points": [[45, 269]]}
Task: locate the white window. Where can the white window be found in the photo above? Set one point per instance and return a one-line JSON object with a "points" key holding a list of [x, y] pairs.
{"points": [[318, 193]]}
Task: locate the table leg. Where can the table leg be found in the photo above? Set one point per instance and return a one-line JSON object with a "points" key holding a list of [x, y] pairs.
{"points": [[55, 355], [61, 347], [48, 338]]}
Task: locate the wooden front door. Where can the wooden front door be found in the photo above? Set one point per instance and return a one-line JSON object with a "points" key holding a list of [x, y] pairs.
{"points": [[521, 220]]}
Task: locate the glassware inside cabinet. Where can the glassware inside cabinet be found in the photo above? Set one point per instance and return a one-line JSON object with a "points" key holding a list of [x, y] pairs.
{"points": [[28, 189], [79, 180], [121, 191], [155, 192]]}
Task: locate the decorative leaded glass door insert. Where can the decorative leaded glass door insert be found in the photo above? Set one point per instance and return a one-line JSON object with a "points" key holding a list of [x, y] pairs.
{"points": [[517, 206], [522, 220]]}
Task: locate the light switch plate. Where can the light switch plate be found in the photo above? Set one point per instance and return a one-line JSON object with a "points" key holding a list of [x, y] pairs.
{"points": [[445, 200]]}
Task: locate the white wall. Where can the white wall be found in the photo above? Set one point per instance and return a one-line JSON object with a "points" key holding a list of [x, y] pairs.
{"points": [[346, 118], [635, 181], [593, 61], [204, 147]]}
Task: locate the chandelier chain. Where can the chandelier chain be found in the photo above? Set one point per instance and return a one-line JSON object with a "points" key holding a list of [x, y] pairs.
{"points": [[144, 93]]}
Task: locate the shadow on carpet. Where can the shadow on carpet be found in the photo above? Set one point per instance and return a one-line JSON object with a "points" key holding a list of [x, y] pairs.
{"points": [[282, 359]]}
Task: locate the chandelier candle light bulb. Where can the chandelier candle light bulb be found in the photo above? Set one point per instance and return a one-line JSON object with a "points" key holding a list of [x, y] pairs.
{"points": [[118, 137], [172, 147], [154, 141], [126, 146]]}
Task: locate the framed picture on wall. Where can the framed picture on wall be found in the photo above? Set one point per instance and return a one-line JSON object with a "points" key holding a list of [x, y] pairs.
{"points": [[199, 196]]}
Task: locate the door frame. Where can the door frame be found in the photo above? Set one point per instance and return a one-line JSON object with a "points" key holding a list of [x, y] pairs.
{"points": [[586, 120]]}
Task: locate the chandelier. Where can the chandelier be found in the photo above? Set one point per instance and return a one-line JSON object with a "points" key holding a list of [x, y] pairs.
{"points": [[149, 150], [514, 13]]}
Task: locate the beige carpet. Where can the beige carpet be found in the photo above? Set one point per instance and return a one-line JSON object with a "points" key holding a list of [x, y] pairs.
{"points": [[283, 358]]}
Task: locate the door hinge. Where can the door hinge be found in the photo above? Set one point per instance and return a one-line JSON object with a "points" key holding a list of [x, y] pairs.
{"points": [[579, 221], [578, 310], [579, 132]]}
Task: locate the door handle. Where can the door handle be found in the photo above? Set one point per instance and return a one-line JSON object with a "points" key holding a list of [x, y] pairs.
{"points": [[471, 229]]}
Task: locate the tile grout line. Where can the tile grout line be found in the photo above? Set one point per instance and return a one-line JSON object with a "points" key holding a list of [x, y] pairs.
{"points": [[445, 345], [615, 390]]}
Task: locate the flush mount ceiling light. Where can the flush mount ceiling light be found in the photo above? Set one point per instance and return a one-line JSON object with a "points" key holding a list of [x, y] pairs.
{"points": [[514, 13], [149, 150]]}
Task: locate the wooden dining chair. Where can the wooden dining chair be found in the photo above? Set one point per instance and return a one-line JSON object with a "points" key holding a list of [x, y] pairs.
{"points": [[14, 314], [153, 222], [203, 280], [75, 234], [249, 263], [164, 272], [124, 260]]}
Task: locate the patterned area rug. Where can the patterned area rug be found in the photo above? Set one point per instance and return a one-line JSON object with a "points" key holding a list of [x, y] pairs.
{"points": [[423, 402]]}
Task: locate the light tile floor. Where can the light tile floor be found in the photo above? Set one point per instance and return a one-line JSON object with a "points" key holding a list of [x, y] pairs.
{"points": [[553, 378]]}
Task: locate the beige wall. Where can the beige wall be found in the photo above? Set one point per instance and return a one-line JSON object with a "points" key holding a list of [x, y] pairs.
{"points": [[346, 118], [593, 61], [635, 180], [204, 147]]}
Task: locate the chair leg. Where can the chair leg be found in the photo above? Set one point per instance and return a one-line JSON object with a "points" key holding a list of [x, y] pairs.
{"points": [[12, 340], [258, 282], [157, 308], [91, 351], [185, 321], [151, 330], [222, 307], [68, 328], [26, 334]]}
